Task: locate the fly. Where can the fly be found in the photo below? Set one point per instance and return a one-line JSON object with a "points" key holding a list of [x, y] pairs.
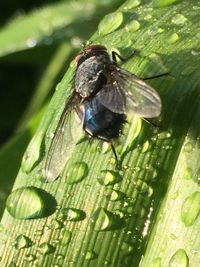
{"points": [[103, 95]]}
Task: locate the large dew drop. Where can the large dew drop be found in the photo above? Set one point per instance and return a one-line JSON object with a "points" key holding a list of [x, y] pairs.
{"points": [[30, 203], [191, 209], [110, 23], [179, 259]]}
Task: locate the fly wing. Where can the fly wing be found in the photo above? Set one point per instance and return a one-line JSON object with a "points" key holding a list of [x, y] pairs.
{"points": [[63, 143], [127, 93]]}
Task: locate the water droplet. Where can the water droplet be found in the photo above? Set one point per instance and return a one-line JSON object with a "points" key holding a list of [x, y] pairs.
{"points": [[31, 42], [188, 174], [72, 214], [162, 3], [191, 209], [77, 172], [164, 135], [179, 19], [66, 237], [173, 38], [30, 202], [109, 177], [56, 224], [30, 257], [146, 146], [156, 262], [110, 23], [90, 255], [188, 147], [115, 195], [179, 259], [155, 30], [148, 17], [133, 26], [106, 220], [132, 4], [45, 248], [33, 152], [22, 241]]}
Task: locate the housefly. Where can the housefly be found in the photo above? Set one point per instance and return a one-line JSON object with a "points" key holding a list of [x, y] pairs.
{"points": [[103, 95]]}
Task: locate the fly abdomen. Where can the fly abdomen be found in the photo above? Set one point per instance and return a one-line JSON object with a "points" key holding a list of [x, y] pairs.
{"points": [[100, 122]]}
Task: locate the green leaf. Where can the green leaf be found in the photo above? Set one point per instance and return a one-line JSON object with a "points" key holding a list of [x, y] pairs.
{"points": [[160, 167]]}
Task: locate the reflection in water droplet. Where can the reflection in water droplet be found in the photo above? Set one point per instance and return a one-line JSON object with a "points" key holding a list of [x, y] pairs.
{"points": [[106, 220], [173, 38], [179, 259], [191, 209], [126, 248], [22, 241], [72, 214], [156, 262], [109, 177], [26, 203], [179, 19], [45, 248], [132, 3], [77, 172], [90, 255], [110, 23], [133, 26], [162, 3]]}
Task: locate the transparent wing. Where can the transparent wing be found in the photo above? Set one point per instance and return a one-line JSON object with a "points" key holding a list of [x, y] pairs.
{"points": [[127, 93], [63, 143]]}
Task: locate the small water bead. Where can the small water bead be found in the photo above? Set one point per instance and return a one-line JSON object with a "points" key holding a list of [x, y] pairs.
{"points": [[110, 23], [188, 147], [179, 259], [22, 241], [164, 135], [179, 19], [77, 172], [106, 220], [173, 38], [31, 42], [133, 26], [72, 214], [191, 209], [45, 248], [109, 177], [90, 255]]}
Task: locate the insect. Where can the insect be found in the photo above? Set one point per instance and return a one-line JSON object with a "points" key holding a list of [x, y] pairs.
{"points": [[103, 95]]}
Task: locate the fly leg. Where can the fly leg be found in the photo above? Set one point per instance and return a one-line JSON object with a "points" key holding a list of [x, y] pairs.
{"points": [[115, 55], [118, 163]]}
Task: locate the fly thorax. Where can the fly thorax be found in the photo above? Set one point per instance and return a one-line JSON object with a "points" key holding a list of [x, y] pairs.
{"points": [[91, 75]]}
